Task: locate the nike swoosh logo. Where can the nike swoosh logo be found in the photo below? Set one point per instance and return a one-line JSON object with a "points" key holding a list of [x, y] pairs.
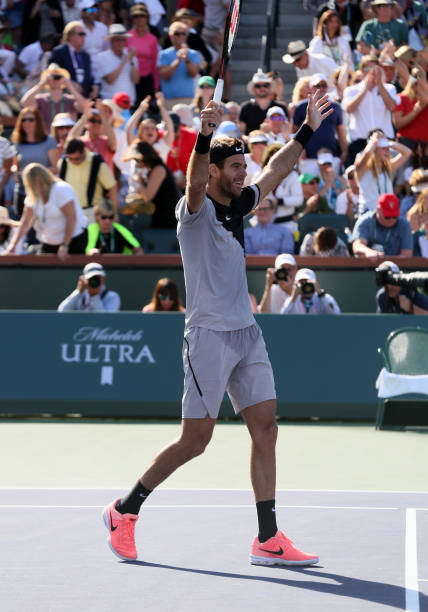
{"points": [[273, 552], [112, 527], [228, 219]]}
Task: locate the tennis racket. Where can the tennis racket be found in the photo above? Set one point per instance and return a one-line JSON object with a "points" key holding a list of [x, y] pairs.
{"points": [[230, 31]]}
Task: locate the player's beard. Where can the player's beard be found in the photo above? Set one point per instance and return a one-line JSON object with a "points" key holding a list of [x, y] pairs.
{"points": [[229, 189]]}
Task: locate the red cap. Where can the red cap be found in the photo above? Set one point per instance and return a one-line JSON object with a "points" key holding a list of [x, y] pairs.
{"points": [[390, 205], [122, 99]]}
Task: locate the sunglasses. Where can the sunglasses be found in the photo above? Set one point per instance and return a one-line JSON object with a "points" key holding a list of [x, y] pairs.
{"points": [[91, 10], [76, 158], [111, 217], [350, 176], [265, 208], [93, 120], [260, 85], [80, 33], [28, 119], [207, 87], [313, 182], [57, 77], [180, 34], [390, 216], [276, 117], [164, 296], [321, 86]]}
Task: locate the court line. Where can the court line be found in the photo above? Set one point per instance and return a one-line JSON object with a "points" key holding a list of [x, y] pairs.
{"points": [[412, 586], [121, 488], [190, 506]]}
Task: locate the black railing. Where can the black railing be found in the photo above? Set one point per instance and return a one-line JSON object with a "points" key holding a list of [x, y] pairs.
{"points": [[268, 41]]}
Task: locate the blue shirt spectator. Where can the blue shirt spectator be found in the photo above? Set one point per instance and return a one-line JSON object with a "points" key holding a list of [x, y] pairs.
{"points": [[326, 134], [267, 238], [178, 65], [375, 232]]}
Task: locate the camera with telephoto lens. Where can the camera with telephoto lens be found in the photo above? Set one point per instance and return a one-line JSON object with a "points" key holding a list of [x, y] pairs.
{"points": [[308, 289], [281, 274], [94, 282], [406, 280]]}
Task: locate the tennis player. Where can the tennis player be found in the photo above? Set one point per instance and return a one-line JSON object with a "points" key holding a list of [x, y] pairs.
{"points": [[223, 348]]}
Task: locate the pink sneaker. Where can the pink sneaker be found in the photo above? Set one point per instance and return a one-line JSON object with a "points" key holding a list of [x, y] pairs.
{"points": [[121, 529], [279, 550]]}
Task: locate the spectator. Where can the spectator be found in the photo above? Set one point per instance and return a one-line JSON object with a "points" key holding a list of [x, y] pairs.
{"points": [[347, 201], [123, 102], [146, 47], [232, 110], [289, 195], [395, 299], [253, 112], [96, 32], [91, 293], [329, 39], [279, 283], [374, 168], [410, 117], [277, 86], [7, 154], [332, 133], [308, 297], [113, 116], [71, 56], [351, 17], [40, 18], [182, 147], [212, 35], [300, 92], [106, 236], [55, 79], [257, 142], [313, 202], [276, 126], [228, 128], [369, 105], [99, 136], [8, 231], [147, 129], [28, 62], [153, 182], [418, 181], [52, 207], [306, 62], [178, 66], [117, 67], [89, 175], [331, 185], [60, 129], [32, 144], [70, 10], [417, 216], [194, 40], [376, 32], [266, 238], [165, 298], [382, 231], [325, 243], [204, 93], [420, 242]]}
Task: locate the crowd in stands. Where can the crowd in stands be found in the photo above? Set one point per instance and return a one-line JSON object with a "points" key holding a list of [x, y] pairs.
{"points": [[100, 103]]}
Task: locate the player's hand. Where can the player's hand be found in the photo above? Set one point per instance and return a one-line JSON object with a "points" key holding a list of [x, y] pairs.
{"points": [[210, 118], [319, 107]]}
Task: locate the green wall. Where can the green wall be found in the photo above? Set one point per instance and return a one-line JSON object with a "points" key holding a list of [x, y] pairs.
{"points": [[43, 288], [129, 364]]}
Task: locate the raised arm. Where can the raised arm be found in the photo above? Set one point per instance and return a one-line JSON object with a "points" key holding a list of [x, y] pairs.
{"points": [[283, 162], [198, 169], [135, 118]]}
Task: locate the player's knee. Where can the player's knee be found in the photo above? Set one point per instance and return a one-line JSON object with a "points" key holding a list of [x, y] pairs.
{"points": [[266, 435], [196, 445]]}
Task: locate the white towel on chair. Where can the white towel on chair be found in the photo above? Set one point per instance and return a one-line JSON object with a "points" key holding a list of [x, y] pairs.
{"points": [[389, 385]]}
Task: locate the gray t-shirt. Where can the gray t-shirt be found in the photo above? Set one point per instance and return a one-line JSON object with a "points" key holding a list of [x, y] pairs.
{"points": [[212, 249]]}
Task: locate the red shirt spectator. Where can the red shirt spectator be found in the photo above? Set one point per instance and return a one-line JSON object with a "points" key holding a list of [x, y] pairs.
{"points": [[182, 147], [417, 129]]}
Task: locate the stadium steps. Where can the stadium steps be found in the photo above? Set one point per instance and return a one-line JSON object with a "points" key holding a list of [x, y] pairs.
{"points": [[294, 24]]}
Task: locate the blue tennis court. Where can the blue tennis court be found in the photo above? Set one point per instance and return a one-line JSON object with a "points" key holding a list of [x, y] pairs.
{"points": [[194, 546]]}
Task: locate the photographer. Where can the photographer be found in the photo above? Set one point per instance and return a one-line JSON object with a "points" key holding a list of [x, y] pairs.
{"points": [[399, 299], [279, 284], [307, 297], [91, 294]]}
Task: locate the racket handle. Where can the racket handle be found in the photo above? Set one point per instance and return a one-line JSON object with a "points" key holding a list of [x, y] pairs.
{"points": [[218, 93]]}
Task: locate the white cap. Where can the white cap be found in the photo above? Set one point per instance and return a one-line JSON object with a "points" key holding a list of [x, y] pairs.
{"points": [[275, 110], [389, 265], [93, 269], [325, 158], [305, 274], [284, 258], [318, 78], [85, 4], [383, 142], [62, 121]]}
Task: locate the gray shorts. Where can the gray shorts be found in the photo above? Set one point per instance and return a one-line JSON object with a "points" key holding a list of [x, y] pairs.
{"points": [[219, 361]]}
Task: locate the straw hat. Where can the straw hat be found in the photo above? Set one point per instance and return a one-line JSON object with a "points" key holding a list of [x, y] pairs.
{"points": [[5, 219], [55, 69], [117, 117]]}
